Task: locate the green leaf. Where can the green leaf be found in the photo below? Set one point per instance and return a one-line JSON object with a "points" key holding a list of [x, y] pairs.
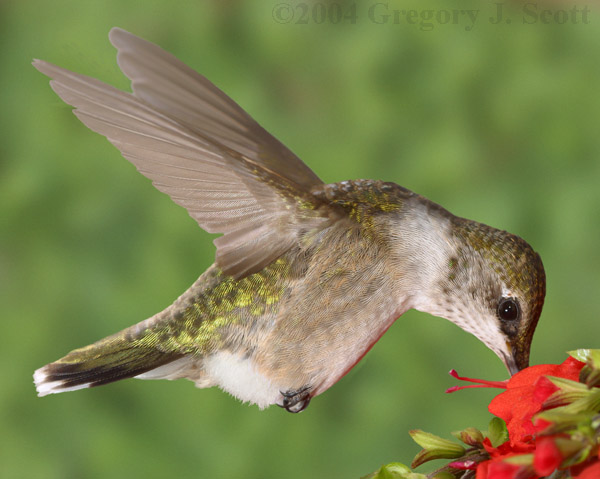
{"points": [[497, 432], [520, 460], [594, 358], [590, 374], [575, 451], [567, 384], [589, 403], [580, 354], [394, 470], [564, 421]]}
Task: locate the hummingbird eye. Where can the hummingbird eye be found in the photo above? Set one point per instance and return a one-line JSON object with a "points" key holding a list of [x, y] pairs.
{"points": [[508, 309]]}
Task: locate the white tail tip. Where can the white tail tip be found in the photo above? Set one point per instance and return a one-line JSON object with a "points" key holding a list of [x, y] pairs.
{"points": [[45, 387]]}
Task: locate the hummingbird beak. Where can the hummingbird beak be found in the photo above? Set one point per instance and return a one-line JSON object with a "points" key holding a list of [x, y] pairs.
{"points": [[516, 359], [511, 365]]}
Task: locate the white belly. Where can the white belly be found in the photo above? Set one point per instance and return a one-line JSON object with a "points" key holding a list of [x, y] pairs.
{"points": [[238, 376]]}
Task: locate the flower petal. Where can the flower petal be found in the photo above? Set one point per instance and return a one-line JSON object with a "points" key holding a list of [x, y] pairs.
{"points": [[590, 472], [502, 470], [547, 456]]}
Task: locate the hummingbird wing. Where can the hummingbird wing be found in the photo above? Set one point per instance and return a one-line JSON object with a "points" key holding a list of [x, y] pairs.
{"points": [[199, 147]]}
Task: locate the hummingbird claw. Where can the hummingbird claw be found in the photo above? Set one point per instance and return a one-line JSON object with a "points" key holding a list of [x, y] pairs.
{"points": [[296, 401]]}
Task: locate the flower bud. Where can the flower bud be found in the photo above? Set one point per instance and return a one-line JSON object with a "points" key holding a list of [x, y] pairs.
{"points": [[590, 377], [444, 475], [434, 447], [568, 392], [395, 470], [470, 436]]}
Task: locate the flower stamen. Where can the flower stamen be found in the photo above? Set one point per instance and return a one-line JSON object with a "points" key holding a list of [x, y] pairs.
{"points": [[481, 383]]}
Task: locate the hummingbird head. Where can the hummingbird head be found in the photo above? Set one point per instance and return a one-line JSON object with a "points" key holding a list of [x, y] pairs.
{"points": [[492, 285]]}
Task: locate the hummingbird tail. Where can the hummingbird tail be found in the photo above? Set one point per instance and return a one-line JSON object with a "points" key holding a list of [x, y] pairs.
{"points": [[110, 359]]}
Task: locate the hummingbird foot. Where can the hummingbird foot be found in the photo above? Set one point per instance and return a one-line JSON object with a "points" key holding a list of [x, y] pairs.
{"points": [[296, 401]]}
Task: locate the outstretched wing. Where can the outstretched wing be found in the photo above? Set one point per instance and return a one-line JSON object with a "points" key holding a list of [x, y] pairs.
{"points": [[199, 147]]}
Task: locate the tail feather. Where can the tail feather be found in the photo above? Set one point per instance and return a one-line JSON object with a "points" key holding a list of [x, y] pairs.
{"points": [[103, 362]]}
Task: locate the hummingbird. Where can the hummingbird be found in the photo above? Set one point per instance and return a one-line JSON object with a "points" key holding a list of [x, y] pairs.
{"points": [[307, 276]]}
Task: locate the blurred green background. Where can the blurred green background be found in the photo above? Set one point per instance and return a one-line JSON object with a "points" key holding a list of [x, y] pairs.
{"points": [[498, 123]]}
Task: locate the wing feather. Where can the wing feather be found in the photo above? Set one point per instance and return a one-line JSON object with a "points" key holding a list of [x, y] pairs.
{"points": [[199, 147], [161, 80]]}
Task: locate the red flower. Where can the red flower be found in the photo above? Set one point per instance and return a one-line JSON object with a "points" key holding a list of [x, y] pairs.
{"points": [[495, 467], [563, 441], [505, 449], [525, 394]]}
